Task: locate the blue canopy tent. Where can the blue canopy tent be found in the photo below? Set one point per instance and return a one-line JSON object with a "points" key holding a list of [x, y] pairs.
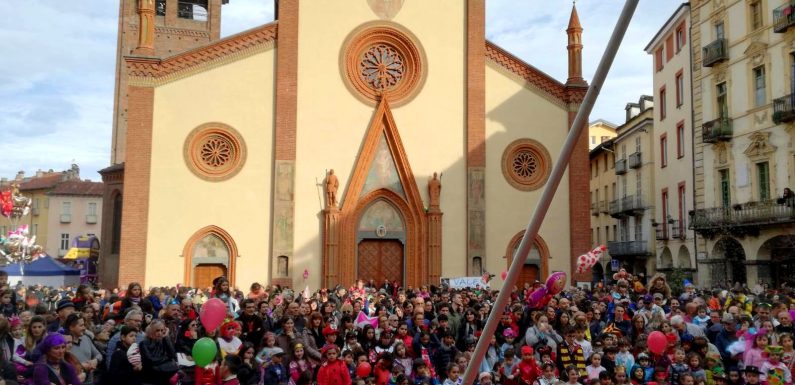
{"points": [[45, 271]]}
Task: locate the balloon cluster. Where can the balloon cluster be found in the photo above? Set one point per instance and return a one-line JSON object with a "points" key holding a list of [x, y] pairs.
{"points": [[586, 261], [14, 205], [18, 247], [541, 296]]}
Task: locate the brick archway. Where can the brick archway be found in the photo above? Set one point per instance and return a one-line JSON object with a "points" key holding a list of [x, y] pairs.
{"points": [[540, 244], [187, 252]]}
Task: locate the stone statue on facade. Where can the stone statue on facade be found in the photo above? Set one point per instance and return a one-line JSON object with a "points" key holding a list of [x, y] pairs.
{"points": [[434, 190], [332, 184]]}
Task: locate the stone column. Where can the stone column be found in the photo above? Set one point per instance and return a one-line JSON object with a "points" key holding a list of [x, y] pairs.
{"points": [[146, 28], [331, 219]]}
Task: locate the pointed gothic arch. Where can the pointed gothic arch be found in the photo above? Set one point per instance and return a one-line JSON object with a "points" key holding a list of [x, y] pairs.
{"points": [[422, 243], [202, 234]]}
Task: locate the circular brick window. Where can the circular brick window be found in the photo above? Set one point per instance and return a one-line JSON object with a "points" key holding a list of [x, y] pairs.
{"points": [[379, 59], [526, 164], [215, 151]]}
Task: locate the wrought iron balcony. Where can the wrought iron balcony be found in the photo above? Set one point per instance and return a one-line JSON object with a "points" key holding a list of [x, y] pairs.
{"points": [[615, 208], [603, 206], [595, 209], [678, 229], [784, 17], [715, 52], [784, 109], [621, 166], [635, 160], [628, 248], [720, 129], [772, 212], [662, 232]]}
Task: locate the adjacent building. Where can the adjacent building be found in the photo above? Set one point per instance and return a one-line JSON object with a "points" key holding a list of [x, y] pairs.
{"points": [[599, 131], [75, 210], [632, 202], [603, 190], [743, 77], [673, 135]]}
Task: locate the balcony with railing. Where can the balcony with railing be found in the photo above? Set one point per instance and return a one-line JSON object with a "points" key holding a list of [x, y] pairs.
{"points": [[720, 129], [603, 206], [771, 212], [662, 232], [628, 248], [715, 52], [595, 209], [615, 208], [678, 229], [621, 166], [784, 17], [635, 160], [784, 109]]}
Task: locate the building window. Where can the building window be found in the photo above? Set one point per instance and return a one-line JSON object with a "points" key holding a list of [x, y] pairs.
{"points": [[283, 265], [680, 89], [160, 7], [763, 180], [638, 185], [92, 208], [607, 161], [35, 229], [115, 236], [663, 150], [669, 48], [756, 15], [66, 208], [526, 164], [598, 236], [637, 144], [760, 96], [719, 31], [665, 213], [682, 205], [680, 139], [680, 37], [722, 102], [638, 229], [477, 265], [593, 139], [725, 192], [64, 242], [662, 103], [658, 59]]}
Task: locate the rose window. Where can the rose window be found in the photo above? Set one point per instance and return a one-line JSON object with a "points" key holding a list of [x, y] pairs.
{"points": [[526, 164], [214, 151], [382, 67]]}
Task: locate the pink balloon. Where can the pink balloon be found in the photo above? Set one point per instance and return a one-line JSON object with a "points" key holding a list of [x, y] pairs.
{"points": [[556, 282], [536, 296], [212, 314], [503, 275], [657, 342]]}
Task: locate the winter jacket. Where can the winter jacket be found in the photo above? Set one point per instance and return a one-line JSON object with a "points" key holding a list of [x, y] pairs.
{"points": [[333, 373]]}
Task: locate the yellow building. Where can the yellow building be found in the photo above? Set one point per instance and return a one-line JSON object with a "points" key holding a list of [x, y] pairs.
{"points": [[673, 135], [744, 61], [600, 131], [439, 142], [632, 203]]}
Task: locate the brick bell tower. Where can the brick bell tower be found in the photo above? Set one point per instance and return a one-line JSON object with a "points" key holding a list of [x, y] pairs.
{"points": [[154, 29]]}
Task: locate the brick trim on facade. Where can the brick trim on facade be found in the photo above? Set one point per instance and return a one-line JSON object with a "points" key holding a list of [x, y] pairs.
{"points": [[187, 253], [137, 171], [532, 75]]}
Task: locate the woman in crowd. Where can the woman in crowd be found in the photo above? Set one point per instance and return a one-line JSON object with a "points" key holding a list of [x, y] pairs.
{"points": [[51, 368]]}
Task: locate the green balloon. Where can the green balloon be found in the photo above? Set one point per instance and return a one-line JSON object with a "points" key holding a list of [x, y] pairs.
{"points": [[204, 351]]}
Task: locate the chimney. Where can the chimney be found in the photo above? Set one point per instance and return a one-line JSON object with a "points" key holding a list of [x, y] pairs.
{"points": [[20, 175], [39, 173]]}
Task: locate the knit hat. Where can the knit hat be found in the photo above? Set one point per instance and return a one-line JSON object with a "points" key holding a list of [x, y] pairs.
{"points": [[134, 354], [508, 333], [329, 330], [65, 303], [527, 350]]}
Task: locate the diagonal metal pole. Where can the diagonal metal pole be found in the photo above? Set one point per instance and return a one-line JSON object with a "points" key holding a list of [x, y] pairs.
{"points": [[551, 187]]}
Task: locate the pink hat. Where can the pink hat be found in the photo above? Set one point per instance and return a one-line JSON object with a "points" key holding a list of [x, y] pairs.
{"points": [[508, 333]]}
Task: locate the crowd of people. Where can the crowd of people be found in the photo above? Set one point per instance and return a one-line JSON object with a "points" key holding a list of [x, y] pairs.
{"points": [[384, 334]]}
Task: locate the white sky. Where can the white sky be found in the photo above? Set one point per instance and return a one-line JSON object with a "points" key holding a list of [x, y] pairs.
{"points": [[57, 60]]}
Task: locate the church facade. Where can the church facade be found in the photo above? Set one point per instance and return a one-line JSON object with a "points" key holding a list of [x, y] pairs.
{"points": [[367, 139]]}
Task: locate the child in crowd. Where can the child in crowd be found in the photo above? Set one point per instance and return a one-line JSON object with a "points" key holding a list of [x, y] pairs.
{"points": [[595, 367], [775, 372]]}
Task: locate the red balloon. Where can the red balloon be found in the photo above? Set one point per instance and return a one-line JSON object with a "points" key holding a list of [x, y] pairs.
{"points": [[212, 314], [363, 370], [657, 342]]}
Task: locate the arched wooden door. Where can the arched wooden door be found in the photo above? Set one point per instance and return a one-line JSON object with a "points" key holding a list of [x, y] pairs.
{"points": [[380, 259], [204, 274]]}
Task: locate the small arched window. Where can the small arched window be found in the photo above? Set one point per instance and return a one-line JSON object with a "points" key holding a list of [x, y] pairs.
{"points": [[283, 265], [115, 237]]}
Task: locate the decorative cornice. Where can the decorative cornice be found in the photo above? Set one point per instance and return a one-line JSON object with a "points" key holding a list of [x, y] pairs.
{"points": [[152, 71], [528, 73], [182, 32]]}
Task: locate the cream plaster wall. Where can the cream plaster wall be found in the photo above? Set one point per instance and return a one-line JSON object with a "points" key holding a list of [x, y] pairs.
{"points": [[514, 111], [240, 94], [78, 224], [678, 169], [596, 131], [332, 122]]}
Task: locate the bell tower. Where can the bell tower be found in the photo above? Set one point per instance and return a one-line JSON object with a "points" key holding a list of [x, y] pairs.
{"points": [[159, 29], [574, 31]]}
